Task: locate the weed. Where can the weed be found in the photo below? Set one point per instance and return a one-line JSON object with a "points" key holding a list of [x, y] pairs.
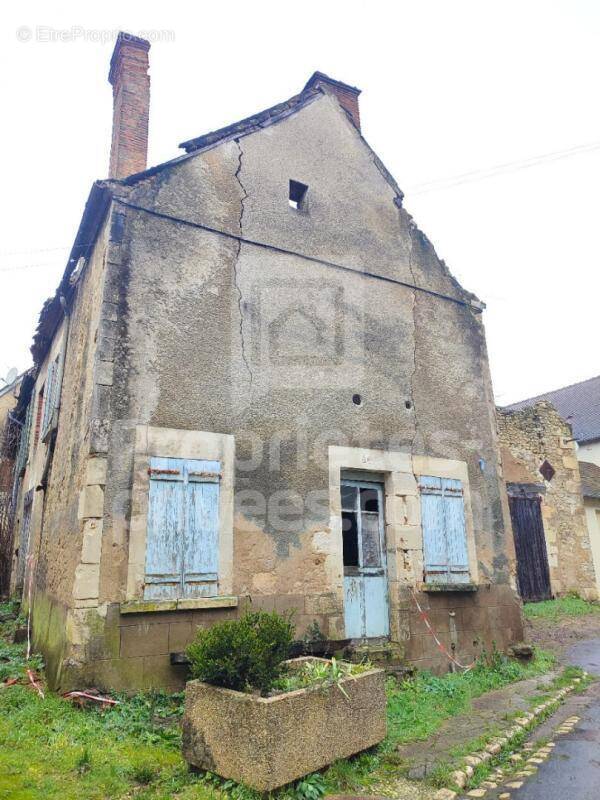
{"points": [[153, 717], [323, 674], [143, 773], [312, 787], [13, 663], [84, 761], [313, 635]]}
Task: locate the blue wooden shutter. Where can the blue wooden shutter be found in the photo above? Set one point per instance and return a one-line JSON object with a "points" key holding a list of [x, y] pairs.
{"points": [[456, 533], [444, 531], [435, 554], [201, 549], [48, 398], [165, 531]]}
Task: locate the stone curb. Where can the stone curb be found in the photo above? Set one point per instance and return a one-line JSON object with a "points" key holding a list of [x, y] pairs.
{"points": [[526, 722]]}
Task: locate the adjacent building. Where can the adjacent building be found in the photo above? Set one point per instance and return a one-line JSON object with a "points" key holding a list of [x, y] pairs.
{"points": [[257, 386], [9, 438], [590, 486], [541, 470], [575, 422]]}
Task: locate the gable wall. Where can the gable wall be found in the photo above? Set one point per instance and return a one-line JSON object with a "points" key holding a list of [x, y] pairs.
{"points": [[221, 336]]}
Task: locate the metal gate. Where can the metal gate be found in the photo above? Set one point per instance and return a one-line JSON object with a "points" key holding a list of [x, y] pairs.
{"points": [[533, 573]]}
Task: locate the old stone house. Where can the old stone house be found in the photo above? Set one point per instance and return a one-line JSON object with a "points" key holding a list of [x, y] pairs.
{"points": [[257, 386], [542, 473], [579, 406]]}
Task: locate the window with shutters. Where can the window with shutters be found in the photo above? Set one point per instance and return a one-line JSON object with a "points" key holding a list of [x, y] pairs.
{"points": [[23, 452], [39, 409], [182, 540], [51, 397], [445, 553]]}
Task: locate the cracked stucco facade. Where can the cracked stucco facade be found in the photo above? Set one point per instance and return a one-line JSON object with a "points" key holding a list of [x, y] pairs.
{"points": [[199, 332]]}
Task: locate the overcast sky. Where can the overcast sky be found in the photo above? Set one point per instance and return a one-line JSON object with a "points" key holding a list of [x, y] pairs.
{"points": [[448, 88]]}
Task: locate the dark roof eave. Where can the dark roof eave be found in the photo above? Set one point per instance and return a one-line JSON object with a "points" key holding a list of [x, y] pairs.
{"points": [[252, 123], [51, 314]]}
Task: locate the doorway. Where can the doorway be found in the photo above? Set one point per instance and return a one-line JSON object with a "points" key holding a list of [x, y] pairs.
{"points": [[533, 572], [366, 607]]}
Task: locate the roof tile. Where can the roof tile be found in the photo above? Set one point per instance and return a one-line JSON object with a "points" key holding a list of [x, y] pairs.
{"points": [[578, 404]]}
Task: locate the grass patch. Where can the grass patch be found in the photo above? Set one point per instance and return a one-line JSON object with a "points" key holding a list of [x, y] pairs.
{"points": [[418, 707], [13, 663], [563, 607], [51, 749]]}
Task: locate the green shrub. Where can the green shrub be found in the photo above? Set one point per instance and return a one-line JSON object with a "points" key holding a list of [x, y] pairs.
{"points": [[245, 654]]}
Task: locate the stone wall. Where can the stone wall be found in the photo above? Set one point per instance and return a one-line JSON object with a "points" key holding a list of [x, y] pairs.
{"points": [[528, 438], [292, 358], [59, 550]]}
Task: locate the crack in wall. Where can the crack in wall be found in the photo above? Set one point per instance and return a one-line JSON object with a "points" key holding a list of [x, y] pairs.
{"points": [[414, 319], [243, 199]]}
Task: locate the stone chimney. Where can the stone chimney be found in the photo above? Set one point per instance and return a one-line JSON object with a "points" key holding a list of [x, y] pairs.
{"points": [[347, 95], [131, 105]]}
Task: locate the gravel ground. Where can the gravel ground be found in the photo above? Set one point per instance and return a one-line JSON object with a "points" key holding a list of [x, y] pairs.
{"points": [[558, 636]]}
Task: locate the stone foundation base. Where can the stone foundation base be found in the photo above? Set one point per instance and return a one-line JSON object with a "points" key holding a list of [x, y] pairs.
{"points": [[132, 652]]}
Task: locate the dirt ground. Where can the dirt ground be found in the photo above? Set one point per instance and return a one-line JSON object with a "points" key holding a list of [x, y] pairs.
{"points": [[558, 635]]}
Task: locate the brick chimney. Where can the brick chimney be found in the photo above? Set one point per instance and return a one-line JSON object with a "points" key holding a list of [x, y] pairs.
{"points": [[131, 105], [347, 95]]}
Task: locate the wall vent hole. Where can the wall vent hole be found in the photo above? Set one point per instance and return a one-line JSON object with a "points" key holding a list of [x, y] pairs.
{"points": [[357, 399]]}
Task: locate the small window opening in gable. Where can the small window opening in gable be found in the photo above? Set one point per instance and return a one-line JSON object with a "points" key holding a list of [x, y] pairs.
{"points": [[297, 194]]}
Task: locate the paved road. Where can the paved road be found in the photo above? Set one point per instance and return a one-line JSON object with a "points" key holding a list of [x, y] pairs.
{"points": [[573, 770]]}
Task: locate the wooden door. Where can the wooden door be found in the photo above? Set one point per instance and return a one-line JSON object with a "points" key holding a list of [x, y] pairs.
{"points": [[366, 608], [533, 573]]}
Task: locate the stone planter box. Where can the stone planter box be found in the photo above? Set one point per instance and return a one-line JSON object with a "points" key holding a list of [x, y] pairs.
{"points": [[266, 742]]}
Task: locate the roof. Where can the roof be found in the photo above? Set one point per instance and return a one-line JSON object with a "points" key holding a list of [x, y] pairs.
{"points": [[578, 404], [269, 115], [590, 479]]}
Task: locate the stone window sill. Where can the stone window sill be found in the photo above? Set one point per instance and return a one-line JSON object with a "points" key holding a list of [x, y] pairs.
{"points": [[185, 604], [430, 588]]}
